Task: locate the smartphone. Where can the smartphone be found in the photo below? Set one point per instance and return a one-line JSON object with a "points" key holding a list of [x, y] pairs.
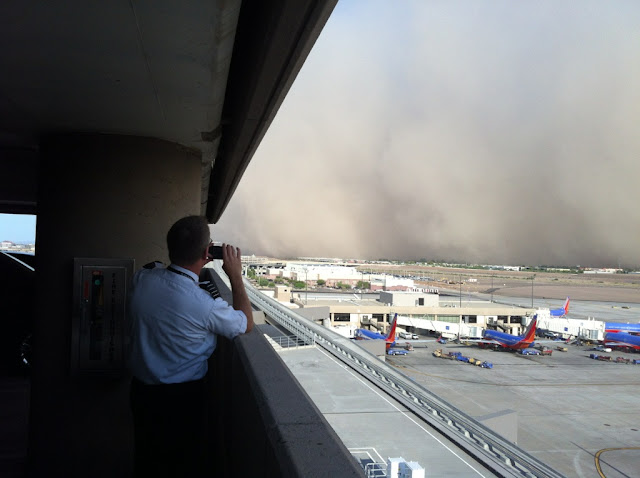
{"points": [[215, 251]]}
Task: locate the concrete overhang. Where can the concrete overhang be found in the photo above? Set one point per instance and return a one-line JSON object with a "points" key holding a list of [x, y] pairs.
{"points": [[209, 75]]}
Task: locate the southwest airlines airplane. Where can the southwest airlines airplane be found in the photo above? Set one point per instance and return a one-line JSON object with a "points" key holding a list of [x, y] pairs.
{"points": [[622, 340], [562, 311], [508, 341], [621, 327], [390, 338]]}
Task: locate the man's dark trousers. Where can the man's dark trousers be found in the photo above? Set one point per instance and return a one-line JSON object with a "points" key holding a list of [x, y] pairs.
{"points": [[170, 429]]}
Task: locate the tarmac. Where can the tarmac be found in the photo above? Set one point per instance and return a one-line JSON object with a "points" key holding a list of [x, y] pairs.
{"points": [[570, 408], [579, 415]]}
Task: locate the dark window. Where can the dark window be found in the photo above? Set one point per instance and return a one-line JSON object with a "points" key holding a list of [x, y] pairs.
{"points": [[421, 301], [342, 317]]}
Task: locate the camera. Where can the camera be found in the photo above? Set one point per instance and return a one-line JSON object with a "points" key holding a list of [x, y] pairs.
{"points": [[215, 251]]}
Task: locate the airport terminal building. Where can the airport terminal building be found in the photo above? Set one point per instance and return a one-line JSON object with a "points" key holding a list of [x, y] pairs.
{"points": [[418, 312]]}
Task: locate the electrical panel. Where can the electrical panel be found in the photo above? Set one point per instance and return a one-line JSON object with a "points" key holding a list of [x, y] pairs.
{"points": [[100, 332]]}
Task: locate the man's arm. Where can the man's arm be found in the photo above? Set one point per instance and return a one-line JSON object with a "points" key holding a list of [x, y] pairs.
{"points": [[232, 266]]}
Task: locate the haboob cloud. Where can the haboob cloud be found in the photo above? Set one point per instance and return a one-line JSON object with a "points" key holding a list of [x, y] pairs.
{"points": [[501, 133]]}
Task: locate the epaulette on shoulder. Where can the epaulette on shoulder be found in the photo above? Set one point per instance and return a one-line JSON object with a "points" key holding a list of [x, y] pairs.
{"points": [[153, 265], [211, 288]]}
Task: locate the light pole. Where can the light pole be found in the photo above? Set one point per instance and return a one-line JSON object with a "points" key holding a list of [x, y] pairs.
{"points": [[532, 277], [492, 288], [460, 280], [306, 287]]}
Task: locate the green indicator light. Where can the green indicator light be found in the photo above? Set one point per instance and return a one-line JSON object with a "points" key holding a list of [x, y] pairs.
{"points": [[97, 282]]}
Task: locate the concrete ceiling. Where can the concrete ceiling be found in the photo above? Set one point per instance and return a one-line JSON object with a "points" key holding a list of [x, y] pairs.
{"points": [[206, 74]]}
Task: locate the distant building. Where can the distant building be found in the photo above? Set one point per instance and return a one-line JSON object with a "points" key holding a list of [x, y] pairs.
{"points": [[409, 299], [282, 293], [20, 248], [312, 273], [389, 283], [602, 271]]}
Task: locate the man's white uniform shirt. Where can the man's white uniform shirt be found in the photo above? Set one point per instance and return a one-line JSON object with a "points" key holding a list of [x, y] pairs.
{"points": [[174, 325]]}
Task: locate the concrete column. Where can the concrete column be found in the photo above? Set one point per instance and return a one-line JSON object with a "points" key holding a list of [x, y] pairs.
{"points": [[103, 196]]}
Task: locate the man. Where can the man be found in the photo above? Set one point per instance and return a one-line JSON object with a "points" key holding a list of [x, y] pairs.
{"points": [[174, 329]]}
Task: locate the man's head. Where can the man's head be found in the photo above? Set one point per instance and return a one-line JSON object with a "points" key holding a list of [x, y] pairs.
{"points": [[188, 239]]}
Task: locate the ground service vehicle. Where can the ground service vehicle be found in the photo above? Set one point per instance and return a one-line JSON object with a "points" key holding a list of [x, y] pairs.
{"points": [[544, 350]]}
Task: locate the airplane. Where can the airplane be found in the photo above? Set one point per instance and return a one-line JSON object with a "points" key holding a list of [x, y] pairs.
{"points": [[508, 341], [622, 340], [622, 327], [562, 311], [390, 338]]}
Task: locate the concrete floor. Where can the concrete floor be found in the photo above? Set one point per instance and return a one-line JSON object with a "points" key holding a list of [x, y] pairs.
{"points": [[373, 426]]}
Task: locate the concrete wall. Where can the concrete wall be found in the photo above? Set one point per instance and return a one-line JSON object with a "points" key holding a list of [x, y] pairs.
{"points": [[409, 299], [266, 424], [102, 196], [262, 422], [18, 181]]}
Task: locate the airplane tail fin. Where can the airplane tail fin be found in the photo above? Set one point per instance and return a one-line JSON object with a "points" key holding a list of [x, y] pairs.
{"points": [[530, 333], [566, 306], [391, 336]]}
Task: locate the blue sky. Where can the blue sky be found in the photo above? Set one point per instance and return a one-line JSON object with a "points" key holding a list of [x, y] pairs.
{"points": [[17, 228]]}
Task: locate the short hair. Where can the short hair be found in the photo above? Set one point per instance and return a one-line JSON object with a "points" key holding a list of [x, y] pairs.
{"points": [[187, 239]]}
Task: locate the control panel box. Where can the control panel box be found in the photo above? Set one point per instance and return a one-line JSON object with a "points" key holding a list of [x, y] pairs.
{"points": [[100, 333]]}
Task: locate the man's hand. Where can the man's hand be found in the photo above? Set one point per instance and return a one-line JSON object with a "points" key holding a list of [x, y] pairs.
{"points": [[231, 261], [232, 266]]}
